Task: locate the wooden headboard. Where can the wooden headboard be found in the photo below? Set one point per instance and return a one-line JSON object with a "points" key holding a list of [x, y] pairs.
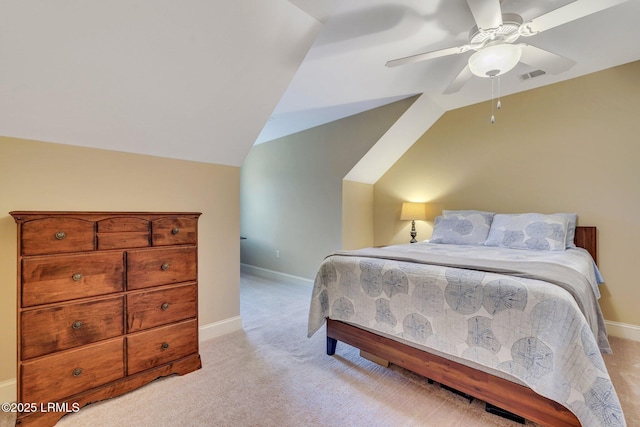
{"points": [[586, 238]]}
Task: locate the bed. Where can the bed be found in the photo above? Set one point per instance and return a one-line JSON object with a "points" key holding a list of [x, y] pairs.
{"points": [[508, 315]]}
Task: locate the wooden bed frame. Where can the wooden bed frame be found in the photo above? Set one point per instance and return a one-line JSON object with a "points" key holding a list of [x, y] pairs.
{"points": [[504, 394]]}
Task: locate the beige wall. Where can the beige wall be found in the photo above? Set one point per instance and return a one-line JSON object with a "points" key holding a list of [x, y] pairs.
{"points": [[357, 215], [570, 147], [291, 190], [45, 176]]}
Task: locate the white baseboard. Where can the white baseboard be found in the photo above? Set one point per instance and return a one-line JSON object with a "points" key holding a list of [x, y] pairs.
{"points": [[8, 390], [216, 329], [271, 274], [623, 330]]}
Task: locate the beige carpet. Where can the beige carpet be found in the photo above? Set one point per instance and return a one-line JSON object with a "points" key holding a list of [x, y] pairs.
{"points": [[270, 374]]}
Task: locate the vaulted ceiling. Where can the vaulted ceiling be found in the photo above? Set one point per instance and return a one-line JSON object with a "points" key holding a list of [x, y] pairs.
{"points": [[205, 80], [345, 67], [188, 79]]}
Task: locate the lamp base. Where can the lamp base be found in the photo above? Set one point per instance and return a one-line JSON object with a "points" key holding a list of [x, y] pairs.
{"points": [[413, 232]]}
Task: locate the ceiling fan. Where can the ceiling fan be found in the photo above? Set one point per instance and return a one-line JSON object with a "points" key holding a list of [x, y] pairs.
{"points": [[495, 33]]}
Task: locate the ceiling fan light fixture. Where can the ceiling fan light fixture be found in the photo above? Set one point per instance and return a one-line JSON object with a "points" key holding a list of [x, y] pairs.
{"points": [[495, 60]]}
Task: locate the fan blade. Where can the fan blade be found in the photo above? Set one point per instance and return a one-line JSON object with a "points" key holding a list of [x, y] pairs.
{"points": [[428, 55], [571, 12], [487, 13], [544, 60], [459, 81]]}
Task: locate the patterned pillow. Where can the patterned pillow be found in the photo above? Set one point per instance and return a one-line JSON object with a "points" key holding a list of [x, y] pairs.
{"points": [[462, 227], [529, 231], [467, 211]]}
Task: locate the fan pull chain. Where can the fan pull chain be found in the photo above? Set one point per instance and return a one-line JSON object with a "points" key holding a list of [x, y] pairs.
{"points": [[493, 118], [499, 105]]}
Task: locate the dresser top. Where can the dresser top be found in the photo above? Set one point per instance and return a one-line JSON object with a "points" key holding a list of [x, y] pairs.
{"points": [[22, 216]]}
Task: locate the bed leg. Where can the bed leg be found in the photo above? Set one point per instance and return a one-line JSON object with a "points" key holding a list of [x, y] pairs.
{"points": [[331, 346]]}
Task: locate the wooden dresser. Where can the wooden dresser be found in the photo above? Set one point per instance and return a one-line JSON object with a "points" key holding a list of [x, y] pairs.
{"points": [[107, 302]]}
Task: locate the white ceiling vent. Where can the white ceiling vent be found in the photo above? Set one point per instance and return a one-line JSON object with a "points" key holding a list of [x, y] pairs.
{"points": [[532, 74]]}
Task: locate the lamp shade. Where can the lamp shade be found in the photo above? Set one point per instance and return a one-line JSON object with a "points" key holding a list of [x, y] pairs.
{"points": [[495, 60], [413, 211]]}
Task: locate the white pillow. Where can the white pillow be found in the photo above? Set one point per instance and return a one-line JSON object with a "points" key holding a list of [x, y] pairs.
{"points": [[572, 220], [528, 231]]}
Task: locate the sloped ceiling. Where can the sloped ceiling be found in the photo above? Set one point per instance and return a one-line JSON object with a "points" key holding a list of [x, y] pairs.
{"points": [[346, 63], [189, 79], [204, 80]]}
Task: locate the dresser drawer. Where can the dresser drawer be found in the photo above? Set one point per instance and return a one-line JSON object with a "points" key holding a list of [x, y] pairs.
{"points": [[154, 308], [123, 240], [174, 231], [57, 235], [121, 224], [123, 232], [155, 267], [64, 374], [161, 345], [61, 278], [58, 328]]}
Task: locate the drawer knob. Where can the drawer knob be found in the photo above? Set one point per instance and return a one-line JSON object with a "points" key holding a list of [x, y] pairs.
{"points": [[77, 277], [77, 372], [164, 346], [164, 266], [77, 324], [61, 235], [165, 306], [175, 230]]}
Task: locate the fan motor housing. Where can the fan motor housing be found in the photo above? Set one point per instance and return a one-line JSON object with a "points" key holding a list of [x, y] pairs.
{"points": [[510, 25]]}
